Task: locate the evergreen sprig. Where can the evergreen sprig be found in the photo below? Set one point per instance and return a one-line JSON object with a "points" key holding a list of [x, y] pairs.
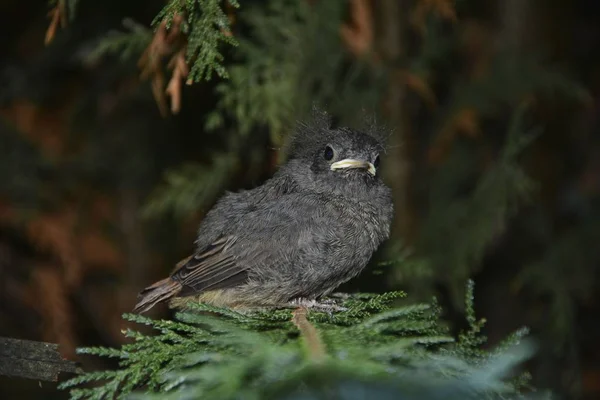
{"points": [[190, 185], [565, 275], [126, 45], [292, 58], [207, 26], [468, 212], [272, 81], [216, 353]]}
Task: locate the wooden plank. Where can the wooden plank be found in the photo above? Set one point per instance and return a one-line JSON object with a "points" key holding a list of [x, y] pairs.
{"points": [[33, 360]]}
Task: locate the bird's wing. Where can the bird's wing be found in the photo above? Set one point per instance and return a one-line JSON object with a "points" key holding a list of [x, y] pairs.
{"points": [[266, 240], [211, 268]]}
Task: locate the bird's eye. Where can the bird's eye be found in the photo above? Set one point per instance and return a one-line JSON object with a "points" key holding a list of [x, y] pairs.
{"points": [[328, 154], [376, 162]]}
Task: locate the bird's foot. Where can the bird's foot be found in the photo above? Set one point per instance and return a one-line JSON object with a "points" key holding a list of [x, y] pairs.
{"points": [[327, 306]]}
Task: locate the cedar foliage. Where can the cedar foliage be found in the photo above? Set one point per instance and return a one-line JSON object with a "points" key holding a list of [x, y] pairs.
{"points": [[209, 352]]}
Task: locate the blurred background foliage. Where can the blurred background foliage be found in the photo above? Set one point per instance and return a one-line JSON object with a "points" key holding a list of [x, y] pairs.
{"points": [[118, 132]]}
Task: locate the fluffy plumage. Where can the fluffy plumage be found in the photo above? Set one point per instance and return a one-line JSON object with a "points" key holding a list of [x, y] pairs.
{"points": [[301, 234]]}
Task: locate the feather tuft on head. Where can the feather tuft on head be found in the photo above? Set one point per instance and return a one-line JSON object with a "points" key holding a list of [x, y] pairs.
{"points": [[372, 127], [321, 128]]}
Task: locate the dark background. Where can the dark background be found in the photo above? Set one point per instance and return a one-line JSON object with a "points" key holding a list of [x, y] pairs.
{"points": [[84, 149]]}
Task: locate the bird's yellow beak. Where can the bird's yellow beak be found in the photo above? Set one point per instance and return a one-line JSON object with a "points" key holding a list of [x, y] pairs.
{"points": [[350, 163]]}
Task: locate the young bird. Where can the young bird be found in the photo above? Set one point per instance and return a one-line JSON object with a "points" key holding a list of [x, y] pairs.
{"points": [[311, 227]]}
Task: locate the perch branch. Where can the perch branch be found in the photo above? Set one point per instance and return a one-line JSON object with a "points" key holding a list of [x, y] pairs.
{"points": [[33, 360], [315, 346]]}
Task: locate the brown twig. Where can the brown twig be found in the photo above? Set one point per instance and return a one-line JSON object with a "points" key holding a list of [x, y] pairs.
{"points": [[358, 34], [58, 15], [316, 348], [164, 44], [442, 8], [230, 10], [180, 72], [418, 85], [465, 122]]}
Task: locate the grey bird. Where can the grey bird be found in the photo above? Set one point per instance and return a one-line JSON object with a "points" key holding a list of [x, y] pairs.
{"points": [[293, 240]]}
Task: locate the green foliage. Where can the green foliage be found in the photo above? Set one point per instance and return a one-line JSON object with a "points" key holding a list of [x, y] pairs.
{"points": [[469, 341], [464, 227], [511, 79], [72, 8], [273, 83], [209, 352], [205, 27], [565, 275], [467, 213], [464, 207], [190, 185], [127, 45], [292, 59]]}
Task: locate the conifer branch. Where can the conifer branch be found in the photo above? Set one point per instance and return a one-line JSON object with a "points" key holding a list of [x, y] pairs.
{"points": [[187, 38], [206, 26], [217, 353], [311, 336]]}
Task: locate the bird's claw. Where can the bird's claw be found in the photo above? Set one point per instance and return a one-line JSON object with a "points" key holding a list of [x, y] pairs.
{"points": [[327, 306]]}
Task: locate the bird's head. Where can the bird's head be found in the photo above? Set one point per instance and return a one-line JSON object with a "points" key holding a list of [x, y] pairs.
{"points": [[337, 158]]}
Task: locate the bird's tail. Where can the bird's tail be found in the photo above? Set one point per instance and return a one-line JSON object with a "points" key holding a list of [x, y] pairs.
{"points": [[156, 293]]}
